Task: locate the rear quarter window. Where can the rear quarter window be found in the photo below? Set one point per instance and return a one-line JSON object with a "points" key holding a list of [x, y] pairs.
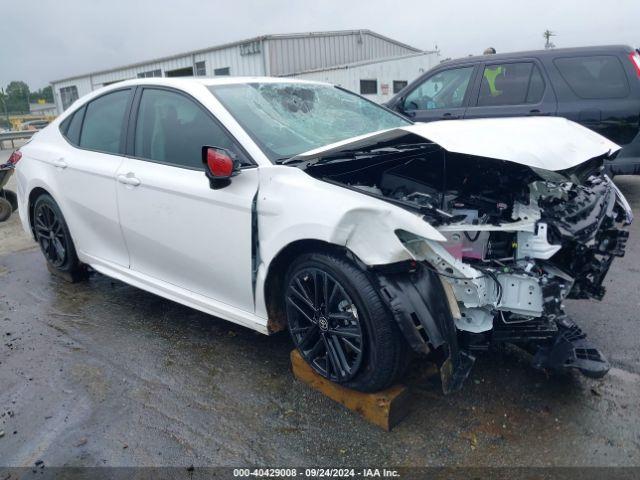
{"points": [[71, 127], [103, 122], [594, 77]]}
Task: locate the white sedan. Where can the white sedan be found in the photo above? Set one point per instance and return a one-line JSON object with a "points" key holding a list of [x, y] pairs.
{"points": [[279, 203]]}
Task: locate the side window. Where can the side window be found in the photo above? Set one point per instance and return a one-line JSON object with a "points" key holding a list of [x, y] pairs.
{"points": [[201, 69], [71, 127], [536, 86], [510, 84], [68, 95], [399, 85], [594, 77], [222, 71], [368, 87], [445, 89], [172, 129], [103, 122]]}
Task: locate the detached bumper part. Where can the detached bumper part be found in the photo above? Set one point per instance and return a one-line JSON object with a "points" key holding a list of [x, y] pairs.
{"points": [[418, 303], [571, 350]]}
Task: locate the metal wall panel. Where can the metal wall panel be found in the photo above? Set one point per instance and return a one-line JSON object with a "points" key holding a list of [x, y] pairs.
{"points": [[385, 72], [100, 80], [271, 55], [239, 65], [291, 55], [83, 84]]}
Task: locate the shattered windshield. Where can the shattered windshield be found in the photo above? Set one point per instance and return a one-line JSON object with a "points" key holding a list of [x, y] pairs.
{"points": [[286, 119]]}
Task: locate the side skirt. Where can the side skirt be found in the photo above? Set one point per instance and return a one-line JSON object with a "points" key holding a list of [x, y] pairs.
{"points": [[178, 294]]}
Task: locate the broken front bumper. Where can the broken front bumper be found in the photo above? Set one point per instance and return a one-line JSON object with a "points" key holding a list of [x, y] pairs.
{"points": [[453, 310]]}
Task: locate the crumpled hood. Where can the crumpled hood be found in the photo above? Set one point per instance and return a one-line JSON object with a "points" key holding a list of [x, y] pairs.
{"points": [[549, 143]]}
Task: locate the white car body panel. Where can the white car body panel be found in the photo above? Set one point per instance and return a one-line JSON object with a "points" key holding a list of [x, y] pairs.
{"points": [[178, 229], [550, 143], [177, 294], [82, 184]]}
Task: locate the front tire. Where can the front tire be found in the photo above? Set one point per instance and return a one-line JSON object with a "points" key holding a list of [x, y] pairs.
{"points": [[340, 325], [52, 234]]}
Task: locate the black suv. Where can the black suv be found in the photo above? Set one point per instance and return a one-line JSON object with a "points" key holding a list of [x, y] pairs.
{"points": [[598, 87]]}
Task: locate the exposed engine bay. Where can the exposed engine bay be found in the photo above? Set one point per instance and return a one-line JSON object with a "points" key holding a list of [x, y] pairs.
{"points": [[519, 241]]}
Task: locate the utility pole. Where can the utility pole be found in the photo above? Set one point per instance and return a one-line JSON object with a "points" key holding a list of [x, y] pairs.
{"points": [[4, 105], [547, 37]]}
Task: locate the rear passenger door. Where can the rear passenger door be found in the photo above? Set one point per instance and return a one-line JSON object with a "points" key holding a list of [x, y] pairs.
{"points": [[441, 96], [86, 172], [594, 90], [511, 89]]}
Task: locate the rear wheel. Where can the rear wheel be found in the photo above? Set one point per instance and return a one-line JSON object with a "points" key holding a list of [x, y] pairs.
{"points": [[52, 234], [5, 209], [11, 197], [339, 324]]}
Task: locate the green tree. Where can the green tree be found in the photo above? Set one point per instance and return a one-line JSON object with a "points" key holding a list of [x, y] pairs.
{"points": [[4, 121], [45, 94], [17, 97]]}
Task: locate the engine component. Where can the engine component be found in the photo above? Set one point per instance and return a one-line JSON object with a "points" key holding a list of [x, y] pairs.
{"points": [[536, 245], [369, 189], [474, 320], [501, 246], [517, 244]]}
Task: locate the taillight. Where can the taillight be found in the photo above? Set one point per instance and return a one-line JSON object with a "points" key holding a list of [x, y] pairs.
{"points": [[635, 59], [15, 157]]}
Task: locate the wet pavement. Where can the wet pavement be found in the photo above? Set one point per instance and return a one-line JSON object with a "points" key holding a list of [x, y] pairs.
{"points": [[101, 373]]}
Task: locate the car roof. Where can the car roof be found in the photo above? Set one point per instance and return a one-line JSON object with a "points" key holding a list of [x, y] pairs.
{"points": [[553, 52], [208, 82], [183, 83]]}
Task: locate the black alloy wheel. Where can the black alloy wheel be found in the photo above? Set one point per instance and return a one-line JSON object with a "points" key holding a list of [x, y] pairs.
{"points": [[324, 324], [50, 234]]}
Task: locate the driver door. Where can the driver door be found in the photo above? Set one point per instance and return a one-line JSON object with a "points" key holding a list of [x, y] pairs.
{"points": [[441, 96], [177, 229]]}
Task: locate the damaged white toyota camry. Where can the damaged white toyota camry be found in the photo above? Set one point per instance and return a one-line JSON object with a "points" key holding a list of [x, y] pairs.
{"points": [[280, 204]]}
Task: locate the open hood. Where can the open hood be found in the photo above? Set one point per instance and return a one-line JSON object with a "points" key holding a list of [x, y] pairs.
{"points": [[549, 143]]}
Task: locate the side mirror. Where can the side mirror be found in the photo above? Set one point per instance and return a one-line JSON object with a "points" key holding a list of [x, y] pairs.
{"points": [[220, 165]]}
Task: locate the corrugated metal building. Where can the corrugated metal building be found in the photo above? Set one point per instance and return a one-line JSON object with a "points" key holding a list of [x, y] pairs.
{"points": [[360, 60]]}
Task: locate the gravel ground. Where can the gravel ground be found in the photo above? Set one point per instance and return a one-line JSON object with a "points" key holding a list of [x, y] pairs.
{"points": [[100, 373]]}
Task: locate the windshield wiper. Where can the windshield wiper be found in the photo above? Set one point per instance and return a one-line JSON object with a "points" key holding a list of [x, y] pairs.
{"points": [[285, 160], [362, 152]]}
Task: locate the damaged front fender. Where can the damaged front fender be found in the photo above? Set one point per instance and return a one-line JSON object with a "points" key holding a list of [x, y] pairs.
{"points": [[362, 224], [370, 233]]}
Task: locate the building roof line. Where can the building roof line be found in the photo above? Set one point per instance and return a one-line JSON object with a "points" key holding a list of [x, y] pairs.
{"points": [[360, 63], [277, 36]]}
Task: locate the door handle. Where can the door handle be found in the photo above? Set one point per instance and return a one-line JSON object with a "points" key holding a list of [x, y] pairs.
{"points": [[449, 116], [60, 163], [129, 179], [537, 112]]}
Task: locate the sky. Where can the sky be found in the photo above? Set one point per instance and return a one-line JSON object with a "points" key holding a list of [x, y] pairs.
{"points": [[44, 40]]}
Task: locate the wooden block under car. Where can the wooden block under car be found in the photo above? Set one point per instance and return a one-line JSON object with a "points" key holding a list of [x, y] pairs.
{"points": [[385, 408]]}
